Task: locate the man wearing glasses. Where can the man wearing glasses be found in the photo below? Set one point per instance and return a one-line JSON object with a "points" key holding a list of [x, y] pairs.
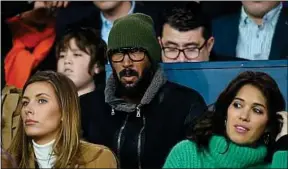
{"points": [[186, 35], [146, 114]]}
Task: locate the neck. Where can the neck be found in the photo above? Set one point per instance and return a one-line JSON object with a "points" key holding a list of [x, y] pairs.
{"points": [[118, 12], [44, 154], [44, 140], [42, 144], [86, 88], [257, 20]]}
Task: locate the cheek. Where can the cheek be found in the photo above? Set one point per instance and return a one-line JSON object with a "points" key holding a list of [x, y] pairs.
{"points": [[22, 114], [60, 65], [116, 68], [53, 119], [231, 112], [260, 124]]}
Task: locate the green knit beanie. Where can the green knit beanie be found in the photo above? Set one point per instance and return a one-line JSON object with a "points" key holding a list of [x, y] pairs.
{"points": [[135, 30]]}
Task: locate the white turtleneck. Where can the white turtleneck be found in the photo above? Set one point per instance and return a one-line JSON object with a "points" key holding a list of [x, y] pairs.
{"points": [[44, 155]]}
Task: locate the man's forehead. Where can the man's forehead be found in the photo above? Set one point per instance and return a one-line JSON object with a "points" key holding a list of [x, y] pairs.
{"points": [[191, 37]]}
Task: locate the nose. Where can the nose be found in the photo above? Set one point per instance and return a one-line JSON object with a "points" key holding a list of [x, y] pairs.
{"points": [[127, 62], [28, 109], [67, 60], [182, 57], [244, 115]]}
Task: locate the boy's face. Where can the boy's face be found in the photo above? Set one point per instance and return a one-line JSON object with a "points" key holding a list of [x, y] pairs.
{"points": [[74, 63]]}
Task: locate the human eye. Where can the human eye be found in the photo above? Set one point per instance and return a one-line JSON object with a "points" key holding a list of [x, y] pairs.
{"points": [[237, 105], [77, 54], [168, 49], [191, 49], [42, 101], [61, 55], [257, 110], [24, 102]]}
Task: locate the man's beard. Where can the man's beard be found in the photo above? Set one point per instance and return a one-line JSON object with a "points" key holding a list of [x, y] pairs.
{"points": [[138, 89]]}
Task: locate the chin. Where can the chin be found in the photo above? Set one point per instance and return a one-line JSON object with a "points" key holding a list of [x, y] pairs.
{"points": [[130, 85], [239, 140], [32, 134]]}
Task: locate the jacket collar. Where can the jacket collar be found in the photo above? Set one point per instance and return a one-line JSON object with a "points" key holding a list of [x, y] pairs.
{"points": [[120, 104]]}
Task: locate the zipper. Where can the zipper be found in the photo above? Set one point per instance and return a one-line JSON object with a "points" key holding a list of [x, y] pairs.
{"points": [[120, 135], [140, 142], [138, 114]]}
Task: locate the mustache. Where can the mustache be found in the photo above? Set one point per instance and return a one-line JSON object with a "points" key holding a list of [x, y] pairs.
{"points": [[128, 72]]}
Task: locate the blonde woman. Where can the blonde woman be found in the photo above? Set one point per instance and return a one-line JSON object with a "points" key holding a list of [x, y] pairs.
{"points": [[48, 133]]}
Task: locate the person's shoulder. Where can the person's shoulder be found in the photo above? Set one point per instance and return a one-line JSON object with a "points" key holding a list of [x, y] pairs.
{"points": [[91, 152], [185, 146], [219, 21], [95, 148]]}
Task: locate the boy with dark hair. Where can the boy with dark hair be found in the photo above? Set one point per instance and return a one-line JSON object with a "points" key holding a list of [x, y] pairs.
{"points": [[81, 57]]}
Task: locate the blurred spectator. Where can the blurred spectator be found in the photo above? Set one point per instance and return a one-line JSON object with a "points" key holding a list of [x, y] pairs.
{"points": [[139, 98], [33, 36], [7, 160], [257, 32], [186, 35], [101, 14], [215, 9], [81, 57], [9, 9]]}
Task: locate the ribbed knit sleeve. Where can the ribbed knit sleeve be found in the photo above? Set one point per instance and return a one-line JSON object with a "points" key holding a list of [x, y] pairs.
{"points": [[182, 155], [280, 160]]}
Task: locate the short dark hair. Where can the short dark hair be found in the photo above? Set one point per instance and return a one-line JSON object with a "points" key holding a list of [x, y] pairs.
{"points": [[213, 121], [87, 40], [185, 17]]}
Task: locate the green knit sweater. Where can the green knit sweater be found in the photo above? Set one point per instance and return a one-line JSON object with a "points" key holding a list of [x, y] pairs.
{"points": [[186, 155]]}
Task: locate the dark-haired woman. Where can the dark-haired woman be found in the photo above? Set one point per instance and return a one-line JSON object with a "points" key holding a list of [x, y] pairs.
{"points": [[247, 128]]}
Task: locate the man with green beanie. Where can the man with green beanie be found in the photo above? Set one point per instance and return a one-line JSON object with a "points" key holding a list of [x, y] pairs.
{"points": [[146, 114]]}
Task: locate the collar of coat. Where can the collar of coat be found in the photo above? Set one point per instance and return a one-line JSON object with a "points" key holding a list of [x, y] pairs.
{"points": [[88, 153], [120, 104]]}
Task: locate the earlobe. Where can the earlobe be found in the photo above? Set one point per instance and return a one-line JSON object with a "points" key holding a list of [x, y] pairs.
{"points": [[210, 43], [159, 41], [96, 69]]}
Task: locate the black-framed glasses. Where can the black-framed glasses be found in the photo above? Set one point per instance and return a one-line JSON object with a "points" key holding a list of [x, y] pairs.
{"points": [[135, 54], [189, 53]]}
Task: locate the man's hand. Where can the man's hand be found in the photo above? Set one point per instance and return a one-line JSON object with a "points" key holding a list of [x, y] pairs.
{"points": [[50, 4], [283, 120]]}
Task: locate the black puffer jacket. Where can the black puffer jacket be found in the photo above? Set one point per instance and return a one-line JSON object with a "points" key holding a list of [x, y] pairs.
{"points": [[142, 135]]}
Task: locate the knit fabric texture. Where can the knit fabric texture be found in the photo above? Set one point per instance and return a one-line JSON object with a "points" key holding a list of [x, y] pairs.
{"points": [[135, 30], [186, 155]]}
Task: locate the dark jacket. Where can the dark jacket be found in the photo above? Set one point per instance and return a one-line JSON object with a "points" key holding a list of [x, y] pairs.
{"points": [[89, 104], [86, 14], [225, 31], [142, 135]]}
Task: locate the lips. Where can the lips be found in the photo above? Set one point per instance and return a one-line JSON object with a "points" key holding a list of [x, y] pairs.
{"points": [[68, 70], [30, 122], [241, 129]]}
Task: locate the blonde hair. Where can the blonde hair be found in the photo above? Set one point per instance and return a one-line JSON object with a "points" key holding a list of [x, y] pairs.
{"points": [[66, 144]]}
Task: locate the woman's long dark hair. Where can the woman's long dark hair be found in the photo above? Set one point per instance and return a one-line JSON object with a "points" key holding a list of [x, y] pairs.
{"points": [[213, 121]]}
